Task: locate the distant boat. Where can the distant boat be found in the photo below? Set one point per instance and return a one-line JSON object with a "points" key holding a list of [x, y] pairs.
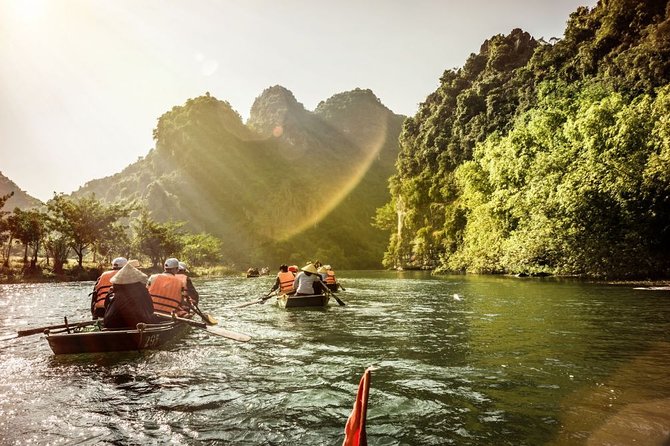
{"points": [[253, 272], [315, 300]]}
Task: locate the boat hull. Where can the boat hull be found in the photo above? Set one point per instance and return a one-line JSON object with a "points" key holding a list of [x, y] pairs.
{"points": [[152, 336], [317, 300]]}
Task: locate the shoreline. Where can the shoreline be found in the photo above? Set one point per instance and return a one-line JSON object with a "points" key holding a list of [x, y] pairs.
{"points": [[13, 276]]}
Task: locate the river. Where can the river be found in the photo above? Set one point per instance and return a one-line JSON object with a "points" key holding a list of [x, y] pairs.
{"points": [[460, 360]]}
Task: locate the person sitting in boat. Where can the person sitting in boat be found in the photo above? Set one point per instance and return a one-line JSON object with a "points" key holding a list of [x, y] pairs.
{"points": [[323, 273], [167, 290], [294, 269], [308, 282], [191, 292], [253, 272], [331, 280], [102, 287], [284, 281], [130, 302]]}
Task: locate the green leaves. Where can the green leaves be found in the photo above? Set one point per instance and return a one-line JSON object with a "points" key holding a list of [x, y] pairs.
{"points": [[545, 157]]}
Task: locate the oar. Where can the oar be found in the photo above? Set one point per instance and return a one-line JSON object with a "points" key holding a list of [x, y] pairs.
{"points": [[340, 285], [208, 318], [339, 301], [255, 301], [38, 330], [212, 330]]}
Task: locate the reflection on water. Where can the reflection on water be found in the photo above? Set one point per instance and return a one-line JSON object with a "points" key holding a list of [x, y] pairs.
{"points": [[508, 361]]}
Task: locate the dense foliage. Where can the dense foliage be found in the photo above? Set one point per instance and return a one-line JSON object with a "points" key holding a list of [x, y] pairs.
{"points": [[544, 157]]}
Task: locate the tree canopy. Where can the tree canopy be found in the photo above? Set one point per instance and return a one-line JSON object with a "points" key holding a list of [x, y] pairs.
{"points": [[544, 157]]}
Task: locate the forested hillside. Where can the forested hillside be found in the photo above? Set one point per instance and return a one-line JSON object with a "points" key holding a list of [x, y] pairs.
{"points": [[20, 199], [544, 157], [287, 186]]}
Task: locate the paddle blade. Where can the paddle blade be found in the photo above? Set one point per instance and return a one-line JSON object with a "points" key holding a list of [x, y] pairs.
{"points": [[241, 337], [340, 302], [218, 331], [211, 320]]}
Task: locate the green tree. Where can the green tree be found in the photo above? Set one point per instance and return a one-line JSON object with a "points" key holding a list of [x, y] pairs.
{"points": [[85, 221], [156, 240], [5, 233], [201, 249], [28, 227]]}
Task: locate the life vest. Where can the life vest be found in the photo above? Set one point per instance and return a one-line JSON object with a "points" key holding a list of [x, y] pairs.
{"points": [[286, 282], [167, 293], [102, 288], [330, 278]]}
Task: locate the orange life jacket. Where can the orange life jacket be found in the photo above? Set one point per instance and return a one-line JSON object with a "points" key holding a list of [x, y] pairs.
{"points": [[286, 282], [102, 288], [167, 292], [330, 278]]}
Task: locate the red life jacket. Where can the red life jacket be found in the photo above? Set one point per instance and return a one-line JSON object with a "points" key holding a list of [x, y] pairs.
{"points": [[166, 292], [286, 282], [330, 278], [102, 288]]}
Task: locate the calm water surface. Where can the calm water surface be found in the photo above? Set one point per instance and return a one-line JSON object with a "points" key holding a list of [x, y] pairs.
{"points": [[462, 360]]}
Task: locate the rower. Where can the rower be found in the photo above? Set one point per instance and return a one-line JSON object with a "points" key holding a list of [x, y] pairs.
{"points": [[167, 290], [284, 281], [102, 287], [131, 302], [307, 282], [191, 292]]}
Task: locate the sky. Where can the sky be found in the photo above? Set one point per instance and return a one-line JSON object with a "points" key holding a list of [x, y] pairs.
{"points": [[83, 82]]}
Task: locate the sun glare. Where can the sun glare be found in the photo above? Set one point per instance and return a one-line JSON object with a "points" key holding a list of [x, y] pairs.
{"points": [[371, 146], [28, 10]]}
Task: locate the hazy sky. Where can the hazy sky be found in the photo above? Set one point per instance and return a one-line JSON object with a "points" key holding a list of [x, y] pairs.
{"points": [[82, 83]]}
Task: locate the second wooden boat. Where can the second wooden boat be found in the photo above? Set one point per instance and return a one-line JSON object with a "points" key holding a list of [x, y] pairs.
{"points": [[316, 300]]}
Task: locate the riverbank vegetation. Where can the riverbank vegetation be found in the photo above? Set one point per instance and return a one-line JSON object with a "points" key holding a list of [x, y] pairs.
{"points": [[544, 156], [77, 238]]}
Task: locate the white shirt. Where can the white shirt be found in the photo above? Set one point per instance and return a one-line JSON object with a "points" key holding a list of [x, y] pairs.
{"points": [[304, 284]]}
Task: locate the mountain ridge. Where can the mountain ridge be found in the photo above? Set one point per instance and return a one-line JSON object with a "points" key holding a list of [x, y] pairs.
{"points": [[20, 199], [273, 186]]}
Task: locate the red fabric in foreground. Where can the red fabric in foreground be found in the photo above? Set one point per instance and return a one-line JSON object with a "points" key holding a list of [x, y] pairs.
{"points": [[354, 431]]}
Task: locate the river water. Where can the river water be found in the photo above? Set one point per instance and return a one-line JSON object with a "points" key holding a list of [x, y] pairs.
{"points": [[461, 360]]}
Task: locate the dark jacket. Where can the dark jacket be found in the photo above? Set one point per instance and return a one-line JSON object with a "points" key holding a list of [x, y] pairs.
{"points": [[130, 305]]}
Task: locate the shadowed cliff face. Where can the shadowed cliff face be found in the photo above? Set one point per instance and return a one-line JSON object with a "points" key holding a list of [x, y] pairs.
{"points": [[289, 185]]}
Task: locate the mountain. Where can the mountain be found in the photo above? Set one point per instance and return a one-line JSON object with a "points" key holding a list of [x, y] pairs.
{"points": [[544, 157], [20, 198], [287, 186]]}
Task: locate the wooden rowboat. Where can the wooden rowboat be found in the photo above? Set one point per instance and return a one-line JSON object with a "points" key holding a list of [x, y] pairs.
{"points": [[316, 300], [92, 339]]}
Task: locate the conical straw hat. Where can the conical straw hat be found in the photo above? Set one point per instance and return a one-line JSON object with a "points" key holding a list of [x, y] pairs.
{"points": [[309, 268], [129, 274]]}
